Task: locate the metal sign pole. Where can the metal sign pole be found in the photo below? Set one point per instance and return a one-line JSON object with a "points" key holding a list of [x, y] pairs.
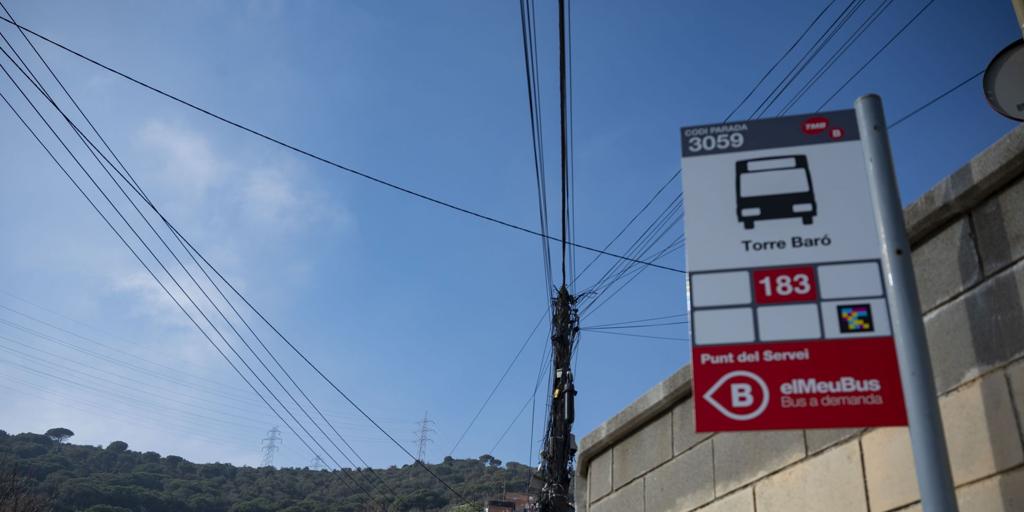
{"points": [[931, 458]]}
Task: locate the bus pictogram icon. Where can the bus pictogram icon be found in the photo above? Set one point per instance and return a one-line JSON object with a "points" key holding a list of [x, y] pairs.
{"points": [[774, 188]]}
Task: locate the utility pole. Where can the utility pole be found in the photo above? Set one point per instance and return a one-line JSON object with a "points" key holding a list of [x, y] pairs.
{"points": [[560, 444], [423, 437], [270, 446]]}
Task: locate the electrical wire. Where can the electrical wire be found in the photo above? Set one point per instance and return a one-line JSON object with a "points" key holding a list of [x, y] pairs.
{"points": [[636, 326], [191, 250], [779, 61], [316, 157], [877, 53], [572, 149], [145, 245], [655, 231], [529, 58], [850, 40], [73, 377], [158, 372], [564, 114], [932, 101], [677, 244], [643, 320], [135, 383], [510, 425], [808, 56], [501, 379], [107, 410], [631, 221], [173, 378], [38, 85], [632, 335]]}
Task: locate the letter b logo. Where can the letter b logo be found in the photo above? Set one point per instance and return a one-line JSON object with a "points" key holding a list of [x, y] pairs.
{"points": [[742, 395]]}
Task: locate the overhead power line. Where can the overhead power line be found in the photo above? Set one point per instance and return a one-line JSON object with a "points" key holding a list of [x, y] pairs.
{"points": [[37, 84], [877, 53], [537, 133], [130, 384], [325, 160], [498, 384], [231, 397], [932, 101], [178, 378], [97, 385], [636, 326], [823, 40], [105, 409], [646, 205], [836, 55], [643, 320], [148, 269], [631, 335], [193, 253], [779, 60], [564, 111], [509, 427]]}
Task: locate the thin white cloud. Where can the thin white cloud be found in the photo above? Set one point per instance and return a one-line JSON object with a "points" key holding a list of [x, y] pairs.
{"points": [[152, 301], [197, 179], [238, 207], [186, 162]]}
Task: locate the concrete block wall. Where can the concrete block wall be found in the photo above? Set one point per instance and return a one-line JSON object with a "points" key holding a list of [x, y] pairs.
{"points": [[968, 238]]}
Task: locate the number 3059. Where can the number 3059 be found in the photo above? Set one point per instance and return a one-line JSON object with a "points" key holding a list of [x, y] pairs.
{"points": [[712, 142]]}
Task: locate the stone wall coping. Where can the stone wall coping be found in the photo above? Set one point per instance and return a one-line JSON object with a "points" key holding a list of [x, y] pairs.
{"points": [[955, 195], [662, 397], [958, 193]]}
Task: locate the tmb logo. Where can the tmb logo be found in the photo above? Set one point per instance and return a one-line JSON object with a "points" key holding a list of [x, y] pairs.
{"points": [[739, 395], [814, 125]]}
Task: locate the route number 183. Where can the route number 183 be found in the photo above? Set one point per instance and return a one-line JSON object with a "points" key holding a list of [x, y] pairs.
{"points": [[784, 285]]}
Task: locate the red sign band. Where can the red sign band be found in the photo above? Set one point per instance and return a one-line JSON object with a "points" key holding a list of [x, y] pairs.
{"points": [[807, 384]]}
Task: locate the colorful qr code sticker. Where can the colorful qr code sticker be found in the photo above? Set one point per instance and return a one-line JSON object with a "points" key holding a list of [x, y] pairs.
{"points": [[855, 318]]}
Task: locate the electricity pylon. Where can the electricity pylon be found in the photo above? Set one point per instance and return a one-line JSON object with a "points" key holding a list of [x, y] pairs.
{"points": [[270, 446], [423, 437]]}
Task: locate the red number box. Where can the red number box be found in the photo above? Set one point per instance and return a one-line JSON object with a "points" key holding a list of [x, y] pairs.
{"points": [[795, 284]]}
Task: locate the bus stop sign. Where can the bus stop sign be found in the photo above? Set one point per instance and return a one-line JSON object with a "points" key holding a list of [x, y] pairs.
{"points": [[789, 318]]}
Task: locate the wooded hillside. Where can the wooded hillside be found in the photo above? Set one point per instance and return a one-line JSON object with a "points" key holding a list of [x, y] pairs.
{"points": [[43, 474]]}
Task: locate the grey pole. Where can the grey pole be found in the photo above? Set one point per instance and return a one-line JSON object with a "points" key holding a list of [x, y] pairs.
{"points": [[931, 459]]}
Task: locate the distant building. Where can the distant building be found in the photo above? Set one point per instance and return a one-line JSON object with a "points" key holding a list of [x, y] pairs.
{"points": [[512, 502], [500, 506]]}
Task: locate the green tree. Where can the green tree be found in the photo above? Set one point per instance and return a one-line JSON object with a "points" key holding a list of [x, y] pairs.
{"points": [[117, 446], [59, 434], [114, 479], [17, 493]]}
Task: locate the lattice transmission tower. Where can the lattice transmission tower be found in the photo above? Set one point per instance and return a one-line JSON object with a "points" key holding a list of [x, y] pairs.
{"points": [[423, 437], [270, 446]]}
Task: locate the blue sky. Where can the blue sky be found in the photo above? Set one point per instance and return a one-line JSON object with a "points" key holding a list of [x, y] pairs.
{"points": [[408, 306]]}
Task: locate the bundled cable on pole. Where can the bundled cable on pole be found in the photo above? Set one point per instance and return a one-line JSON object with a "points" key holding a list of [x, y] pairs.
{"points": [[559, 443]]}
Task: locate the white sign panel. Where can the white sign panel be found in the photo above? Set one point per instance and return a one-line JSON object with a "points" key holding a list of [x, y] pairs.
{"points": [[785, 284]]}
